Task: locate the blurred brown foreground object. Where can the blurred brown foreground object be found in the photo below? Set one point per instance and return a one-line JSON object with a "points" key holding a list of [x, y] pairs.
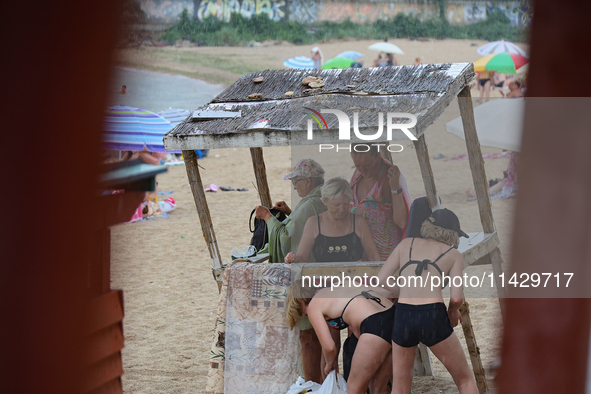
{"points": [[55, 69], [545, 344]]}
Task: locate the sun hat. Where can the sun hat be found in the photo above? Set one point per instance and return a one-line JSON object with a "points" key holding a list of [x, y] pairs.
{"points": [[306, 168], [446, 219]]}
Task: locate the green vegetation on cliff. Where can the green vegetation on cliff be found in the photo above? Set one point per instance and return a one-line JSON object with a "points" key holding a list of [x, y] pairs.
{"points": [[240, 31]]}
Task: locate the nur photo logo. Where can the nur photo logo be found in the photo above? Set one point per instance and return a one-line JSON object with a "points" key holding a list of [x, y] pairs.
{"points": [[345, 128]]}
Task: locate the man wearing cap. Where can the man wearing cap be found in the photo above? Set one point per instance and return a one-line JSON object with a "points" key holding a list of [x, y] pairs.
{"points": [[307, 178]]}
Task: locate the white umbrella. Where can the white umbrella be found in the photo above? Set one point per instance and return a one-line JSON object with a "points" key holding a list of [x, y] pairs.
{"points": [[299, 63], [498, 47], [386, 47], [174, 115], [499, 124]]}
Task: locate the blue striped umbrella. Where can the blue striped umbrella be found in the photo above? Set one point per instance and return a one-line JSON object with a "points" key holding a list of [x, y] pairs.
{"points": [[299, 63], [351, 55], [130, 128]]}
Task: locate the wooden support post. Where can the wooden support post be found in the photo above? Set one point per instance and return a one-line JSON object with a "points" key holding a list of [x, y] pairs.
{"points": [[260, 173], [426, 171], [479, 179], [476, 161], [202, 208], [422, 365], [477, 367]]}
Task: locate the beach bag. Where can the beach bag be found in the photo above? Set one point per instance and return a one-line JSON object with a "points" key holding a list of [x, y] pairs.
{"points": [[303, 387], [333, 384], [259, 232]]}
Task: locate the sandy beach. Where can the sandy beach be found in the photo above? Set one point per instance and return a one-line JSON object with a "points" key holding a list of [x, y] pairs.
{"points": [[163, 265]]}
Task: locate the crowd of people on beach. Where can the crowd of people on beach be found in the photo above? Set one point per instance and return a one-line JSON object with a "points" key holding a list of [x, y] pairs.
{"points": [[367, 218], [510, 86]]}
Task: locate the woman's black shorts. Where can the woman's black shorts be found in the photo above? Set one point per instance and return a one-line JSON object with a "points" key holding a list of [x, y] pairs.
{"points": [[427, 323]]}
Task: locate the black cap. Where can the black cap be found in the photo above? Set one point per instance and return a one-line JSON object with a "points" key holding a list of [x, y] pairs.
{"points": [[446, 219]]}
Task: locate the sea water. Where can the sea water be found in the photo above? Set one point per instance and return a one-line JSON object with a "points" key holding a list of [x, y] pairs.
{"points": [[158, 91]]}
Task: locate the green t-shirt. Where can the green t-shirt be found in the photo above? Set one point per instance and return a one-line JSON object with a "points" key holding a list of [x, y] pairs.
{"points": [[285, 236]]}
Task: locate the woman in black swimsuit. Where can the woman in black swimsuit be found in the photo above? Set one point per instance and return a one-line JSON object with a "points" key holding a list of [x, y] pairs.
{"points": [[336, 235], [421, 315], [367, 312]]}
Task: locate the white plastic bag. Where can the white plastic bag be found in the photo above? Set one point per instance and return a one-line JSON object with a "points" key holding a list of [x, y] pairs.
{"points": [[303, 387], [333, 384]]}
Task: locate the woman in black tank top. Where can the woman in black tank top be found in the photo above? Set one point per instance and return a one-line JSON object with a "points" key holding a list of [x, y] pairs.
{"points": [[334, 249], [336, 235]]}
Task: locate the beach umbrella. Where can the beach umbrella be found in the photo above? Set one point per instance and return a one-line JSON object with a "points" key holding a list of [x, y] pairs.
{"points": [[503, 62], [299, 63], [130, 128], [386, 47], [338, 62], [174, 115], [351, 55], [499, 123], [498, 47], [522, 70]]}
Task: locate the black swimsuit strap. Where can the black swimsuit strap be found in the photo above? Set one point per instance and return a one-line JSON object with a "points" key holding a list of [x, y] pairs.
{"points": [[343, 312], [421, 266], [319, 233], [373, 298], [443, 254]]}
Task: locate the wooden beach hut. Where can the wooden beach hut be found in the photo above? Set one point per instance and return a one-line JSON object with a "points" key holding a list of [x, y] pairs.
{"points": [[254, 115], [105, 328]]}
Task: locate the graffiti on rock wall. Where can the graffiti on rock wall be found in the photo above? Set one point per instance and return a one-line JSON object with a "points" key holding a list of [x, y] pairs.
{"points": [[474, 13], [303, 11], [519, 15], [454, 13], [423, 11], [370, 12], [223, 9], [166, 10]]}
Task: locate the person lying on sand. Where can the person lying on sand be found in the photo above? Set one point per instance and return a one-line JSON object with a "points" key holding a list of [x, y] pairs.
{"points": [[506, 187]]}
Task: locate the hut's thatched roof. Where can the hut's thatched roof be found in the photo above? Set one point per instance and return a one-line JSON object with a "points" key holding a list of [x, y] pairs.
{"points": [[276, 119]]}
